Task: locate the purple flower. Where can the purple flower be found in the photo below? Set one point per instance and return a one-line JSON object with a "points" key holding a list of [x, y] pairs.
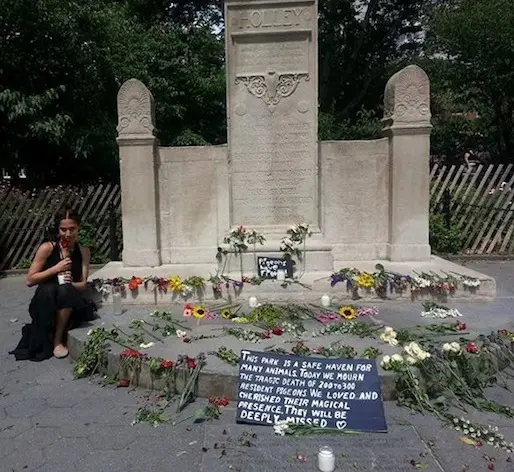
{"points": [[367, 311], [336, 278]]}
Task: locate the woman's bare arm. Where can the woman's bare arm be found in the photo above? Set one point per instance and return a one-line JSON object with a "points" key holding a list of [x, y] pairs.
{"points": [[36, 275], [86, 257]]}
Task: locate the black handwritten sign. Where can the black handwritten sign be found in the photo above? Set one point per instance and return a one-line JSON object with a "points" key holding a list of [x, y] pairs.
{"points": [[328, 393], [268, 267]]}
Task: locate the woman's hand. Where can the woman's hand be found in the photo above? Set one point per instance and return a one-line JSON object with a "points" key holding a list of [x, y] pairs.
{"points": [[63, 266]]}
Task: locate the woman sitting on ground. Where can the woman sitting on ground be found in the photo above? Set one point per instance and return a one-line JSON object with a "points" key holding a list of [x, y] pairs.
{"points": [[60, 270]]}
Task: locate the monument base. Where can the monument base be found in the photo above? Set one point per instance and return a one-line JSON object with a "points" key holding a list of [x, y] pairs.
{"points": [[307, 288]]}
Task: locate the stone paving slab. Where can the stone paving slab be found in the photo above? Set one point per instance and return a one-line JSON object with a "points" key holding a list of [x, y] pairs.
{"points": [[218, 377], [105, 441]]}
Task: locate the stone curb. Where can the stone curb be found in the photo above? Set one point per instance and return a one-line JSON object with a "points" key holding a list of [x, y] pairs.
{"points": [[450, 257], [210, 382]]}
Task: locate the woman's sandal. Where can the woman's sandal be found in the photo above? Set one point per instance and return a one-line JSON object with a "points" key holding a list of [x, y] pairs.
{"points": [[60, 351]]}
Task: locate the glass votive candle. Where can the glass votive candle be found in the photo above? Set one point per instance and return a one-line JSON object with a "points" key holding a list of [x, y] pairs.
{"points": [[326, 459]]}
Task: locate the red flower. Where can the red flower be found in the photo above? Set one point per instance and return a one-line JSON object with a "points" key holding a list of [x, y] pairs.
{"points": [[191, 363], [167, 364], [490, 466], [129, 353], [471, 347], [218, 401], [64, 243], [277, 331], [124, 383], [460, 326], [265, 335]]}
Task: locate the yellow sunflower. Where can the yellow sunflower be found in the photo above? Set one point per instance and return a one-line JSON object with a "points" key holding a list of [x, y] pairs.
{"points": [[199, 311], [175, 283], [348, 312], [226, 314], [365, 280]]}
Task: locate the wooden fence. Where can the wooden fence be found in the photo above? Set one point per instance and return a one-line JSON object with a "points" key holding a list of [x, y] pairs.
{"points": [[478, 201], [26, 215]]}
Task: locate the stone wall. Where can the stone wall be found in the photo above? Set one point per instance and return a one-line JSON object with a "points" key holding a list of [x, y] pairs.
{"points": [[371, 196]]}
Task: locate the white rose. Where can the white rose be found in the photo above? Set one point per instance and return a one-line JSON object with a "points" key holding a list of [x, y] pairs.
{"points": [[410, 360], [146, 345], [385, 361], [455, 347], [447, 347], [397, 358], [393, 342], [423, 355], [389, 330], [181, 334], [413, 349]]}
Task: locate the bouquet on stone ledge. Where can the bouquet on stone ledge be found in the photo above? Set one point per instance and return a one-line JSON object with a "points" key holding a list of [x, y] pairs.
{"points": [[283, 427]]}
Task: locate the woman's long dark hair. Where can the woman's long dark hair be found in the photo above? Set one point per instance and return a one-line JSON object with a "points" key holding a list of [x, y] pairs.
{"points": [[66, 213]]}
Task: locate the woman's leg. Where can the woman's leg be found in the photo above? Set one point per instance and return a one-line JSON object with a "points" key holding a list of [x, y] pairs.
{"points": [[61, 323], [65, 299]]}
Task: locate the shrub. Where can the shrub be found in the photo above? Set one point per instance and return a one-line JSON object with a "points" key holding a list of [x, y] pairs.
{"points": [[444, 239]]}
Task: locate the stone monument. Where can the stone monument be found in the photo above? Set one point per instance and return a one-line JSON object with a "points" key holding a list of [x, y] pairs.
{"points": [[365, 201]]}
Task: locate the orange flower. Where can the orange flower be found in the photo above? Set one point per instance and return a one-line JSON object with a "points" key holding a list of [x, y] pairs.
{"points": [[134, 283]]}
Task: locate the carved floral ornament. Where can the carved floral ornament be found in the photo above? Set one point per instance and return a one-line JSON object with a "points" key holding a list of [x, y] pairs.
{"points": [[407, 96], [135, 109], [272, 87]]}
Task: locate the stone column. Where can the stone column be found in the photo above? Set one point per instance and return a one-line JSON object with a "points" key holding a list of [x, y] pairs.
{"points": [[407, 125], [272, 111], [138, 150]]}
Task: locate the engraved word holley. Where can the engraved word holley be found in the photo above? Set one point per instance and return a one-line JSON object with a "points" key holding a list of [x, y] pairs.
{"points": [[271, 18]]}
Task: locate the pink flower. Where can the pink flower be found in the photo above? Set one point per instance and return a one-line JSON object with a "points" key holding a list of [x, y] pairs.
{"points": [[327, 317], [188, 310], [369, 311]]}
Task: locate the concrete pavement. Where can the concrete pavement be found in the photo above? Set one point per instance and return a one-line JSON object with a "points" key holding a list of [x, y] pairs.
{"points": [[50, 422]]}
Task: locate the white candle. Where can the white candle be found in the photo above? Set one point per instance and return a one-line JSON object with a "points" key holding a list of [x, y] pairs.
{"points": [[326, 459], [325, 300], [116, 302], [252, 301], [281, 275]]}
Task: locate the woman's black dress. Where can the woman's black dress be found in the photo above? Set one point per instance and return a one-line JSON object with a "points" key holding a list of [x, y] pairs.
{"points": [[37, 337]]}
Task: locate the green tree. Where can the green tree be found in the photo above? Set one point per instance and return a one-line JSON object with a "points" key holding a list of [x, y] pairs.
{"points": [[61, 65], [358, 43], [476, 39]]}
